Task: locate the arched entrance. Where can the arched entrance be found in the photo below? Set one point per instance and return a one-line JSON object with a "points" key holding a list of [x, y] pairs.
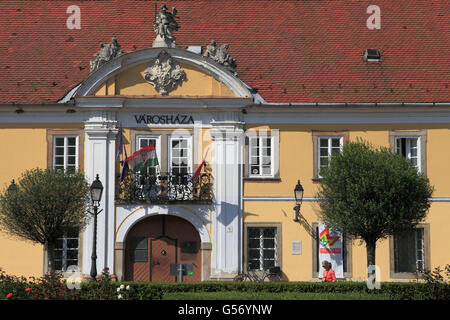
{"points": [[155, 243]]}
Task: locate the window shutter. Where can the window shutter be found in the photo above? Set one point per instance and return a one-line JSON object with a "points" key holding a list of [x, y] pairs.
{"points": [[139, 249]]}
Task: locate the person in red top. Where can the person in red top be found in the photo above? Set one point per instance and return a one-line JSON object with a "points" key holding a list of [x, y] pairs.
{"points": [[328, 273]]}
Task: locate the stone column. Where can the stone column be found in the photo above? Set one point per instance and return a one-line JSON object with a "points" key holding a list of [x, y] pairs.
{"points": [[206, 260], [119, 261], [100, 151], [227, 148]]}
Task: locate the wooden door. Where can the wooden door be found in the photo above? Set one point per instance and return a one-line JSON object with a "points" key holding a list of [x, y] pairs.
{"points": [[163, 253], [155, 243]]}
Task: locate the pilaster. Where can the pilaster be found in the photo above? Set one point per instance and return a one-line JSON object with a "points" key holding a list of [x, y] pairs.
{"points": [[227, 148], [100, 147]]}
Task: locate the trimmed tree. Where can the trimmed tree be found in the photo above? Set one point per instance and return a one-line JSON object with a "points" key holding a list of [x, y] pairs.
{"points": [[43, 206], [371, 193]]}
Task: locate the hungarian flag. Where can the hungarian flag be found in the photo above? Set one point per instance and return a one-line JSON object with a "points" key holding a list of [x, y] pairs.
{"points": [[199, 168], [143, 158]]}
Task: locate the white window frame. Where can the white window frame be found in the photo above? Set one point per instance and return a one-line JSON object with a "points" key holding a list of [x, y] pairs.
{"points": [[408, 150], [272, 156], [341, 145], [64, 250], [261, 246], [420, 259], [66, 154], [150, 136], [170, 138], [419, 248]]}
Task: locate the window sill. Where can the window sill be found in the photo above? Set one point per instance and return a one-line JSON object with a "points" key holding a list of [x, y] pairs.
{"points": [[405, 275], [269, 179]]}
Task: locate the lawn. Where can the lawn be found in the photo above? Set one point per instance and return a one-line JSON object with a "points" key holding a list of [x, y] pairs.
{"points": [[238, 295]]}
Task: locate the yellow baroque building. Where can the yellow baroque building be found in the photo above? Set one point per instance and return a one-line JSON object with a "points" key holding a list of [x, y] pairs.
{"points": [[237, 212]]}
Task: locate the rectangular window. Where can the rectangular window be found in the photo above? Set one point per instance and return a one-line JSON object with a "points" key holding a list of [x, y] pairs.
{"points": [[143, 141], [262, 247], [66, 250], [261, 156], [180, 155], [409, 252], [327, 146], [139, 249], [409, 147], [65, 153]]}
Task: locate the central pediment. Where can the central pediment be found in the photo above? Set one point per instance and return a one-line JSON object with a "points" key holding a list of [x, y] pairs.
{"points": [[159, 72]]}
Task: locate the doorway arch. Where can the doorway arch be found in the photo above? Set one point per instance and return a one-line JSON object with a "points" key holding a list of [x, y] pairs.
{"points": [[156, 242]]}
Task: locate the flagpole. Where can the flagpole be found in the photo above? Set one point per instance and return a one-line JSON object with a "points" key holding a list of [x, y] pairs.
{"points": [[119, 149], [199, 167]]}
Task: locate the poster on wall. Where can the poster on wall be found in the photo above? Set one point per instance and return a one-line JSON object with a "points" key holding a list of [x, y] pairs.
{"points": [[330, 249]]}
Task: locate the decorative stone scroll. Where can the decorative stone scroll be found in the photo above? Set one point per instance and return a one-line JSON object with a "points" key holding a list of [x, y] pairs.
{"points": [[164, 73], [220, 55], [106, 53]]}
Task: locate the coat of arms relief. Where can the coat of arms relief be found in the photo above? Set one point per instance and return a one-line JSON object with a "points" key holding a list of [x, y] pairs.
{"points": [[164, 73]]}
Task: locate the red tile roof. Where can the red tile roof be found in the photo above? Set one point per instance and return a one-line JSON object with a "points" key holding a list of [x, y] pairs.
{"points": [[290, 51]]}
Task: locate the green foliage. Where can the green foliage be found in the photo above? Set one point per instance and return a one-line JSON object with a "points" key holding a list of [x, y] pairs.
{"points": [[394, 290], [52, 286], [437, 276], [437, 283], [372, 193], [419, 291], [44, 205], [13, 287]]}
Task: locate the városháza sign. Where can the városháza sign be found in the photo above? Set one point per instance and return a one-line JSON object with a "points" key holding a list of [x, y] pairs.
{"points": [[164, 119]]}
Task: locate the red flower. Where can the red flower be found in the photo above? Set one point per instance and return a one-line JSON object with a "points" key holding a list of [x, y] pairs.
{"points": [[9, 295], [27, 289]]}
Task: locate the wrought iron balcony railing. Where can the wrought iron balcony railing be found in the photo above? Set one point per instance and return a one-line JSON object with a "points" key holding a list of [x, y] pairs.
{"points": [[164, 187]]}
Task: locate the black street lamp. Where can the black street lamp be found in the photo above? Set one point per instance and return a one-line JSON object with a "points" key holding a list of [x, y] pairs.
{"points": [[96, 196], [12, 187], [298, 193]]}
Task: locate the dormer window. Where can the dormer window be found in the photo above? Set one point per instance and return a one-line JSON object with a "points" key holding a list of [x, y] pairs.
{"points": [[372, 55]]}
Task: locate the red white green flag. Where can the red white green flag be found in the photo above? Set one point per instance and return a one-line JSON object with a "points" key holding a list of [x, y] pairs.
{"points": [[143, 158], [199, 168]]}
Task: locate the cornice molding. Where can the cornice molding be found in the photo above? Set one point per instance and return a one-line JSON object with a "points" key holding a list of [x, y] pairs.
{"points": [[126, 61], [163, 102]]}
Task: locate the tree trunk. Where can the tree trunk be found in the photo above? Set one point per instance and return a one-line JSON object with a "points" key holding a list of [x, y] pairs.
{"points": [[50, 257], [370, 248]]}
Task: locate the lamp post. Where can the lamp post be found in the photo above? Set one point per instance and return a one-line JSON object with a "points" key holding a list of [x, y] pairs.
{"points": [[12, 187], [96, 196], [298, 193]]}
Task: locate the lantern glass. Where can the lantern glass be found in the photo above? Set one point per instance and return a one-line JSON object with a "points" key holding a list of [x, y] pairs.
{"points": [[298, 192], [96, 191]]}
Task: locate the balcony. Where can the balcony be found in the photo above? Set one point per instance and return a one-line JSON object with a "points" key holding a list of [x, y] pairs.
{"points": [[165, 188]]}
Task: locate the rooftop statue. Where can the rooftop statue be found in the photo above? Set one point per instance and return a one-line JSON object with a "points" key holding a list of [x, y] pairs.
{"points": [[106, 53], [220, 55], [211, 49], [164, 27]]}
